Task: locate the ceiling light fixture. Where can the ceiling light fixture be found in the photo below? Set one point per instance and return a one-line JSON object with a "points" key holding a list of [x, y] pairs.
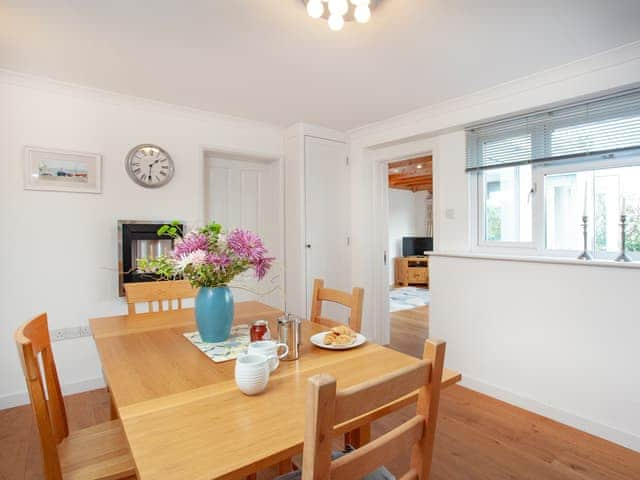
{"points": [[339, 11]]}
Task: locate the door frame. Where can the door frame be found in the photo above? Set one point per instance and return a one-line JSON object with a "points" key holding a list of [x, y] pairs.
{"points": [[381, 158]]}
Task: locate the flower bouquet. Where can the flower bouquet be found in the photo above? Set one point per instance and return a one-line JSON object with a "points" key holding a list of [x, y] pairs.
{"points": [[210, 259]]}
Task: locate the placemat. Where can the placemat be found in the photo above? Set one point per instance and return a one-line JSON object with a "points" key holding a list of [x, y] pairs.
{"points": [[233, 346]]}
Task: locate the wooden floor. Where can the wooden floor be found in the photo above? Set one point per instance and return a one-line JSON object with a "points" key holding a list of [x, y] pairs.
{"points": [[477, 438]]}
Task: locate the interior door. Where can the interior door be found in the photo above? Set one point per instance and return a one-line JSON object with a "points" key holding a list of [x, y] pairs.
{"points": [[245, 194], [327, 210]]}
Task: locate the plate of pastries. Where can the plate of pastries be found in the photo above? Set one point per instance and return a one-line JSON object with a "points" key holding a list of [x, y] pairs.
{"points": [[338, 338]]}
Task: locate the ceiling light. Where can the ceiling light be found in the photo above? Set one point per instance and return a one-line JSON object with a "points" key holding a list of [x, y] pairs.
{"points": [[315, 9], [362, 13], [340, 11], [338, 7], [336, 22]]}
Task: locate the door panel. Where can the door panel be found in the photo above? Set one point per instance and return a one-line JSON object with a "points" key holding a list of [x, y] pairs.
{"points": [[244, 194], [328, 254]]}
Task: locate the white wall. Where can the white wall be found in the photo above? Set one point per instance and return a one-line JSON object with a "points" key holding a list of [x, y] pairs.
{"points": [[59, 250], [498, 317]]}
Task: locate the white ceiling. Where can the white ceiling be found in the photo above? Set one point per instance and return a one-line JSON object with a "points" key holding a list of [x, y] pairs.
{"points": [[267, 60]]}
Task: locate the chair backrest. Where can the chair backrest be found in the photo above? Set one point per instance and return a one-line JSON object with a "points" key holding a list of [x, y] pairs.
{"points": [[327, 408], [157, 293], [33, 341], [353, 301]]}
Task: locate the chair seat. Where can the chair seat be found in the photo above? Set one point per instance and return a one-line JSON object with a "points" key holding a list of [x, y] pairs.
{"points": [[100, 452]]}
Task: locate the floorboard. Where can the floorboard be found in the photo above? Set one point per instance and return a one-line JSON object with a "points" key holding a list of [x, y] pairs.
{"points": [[478, 437]]}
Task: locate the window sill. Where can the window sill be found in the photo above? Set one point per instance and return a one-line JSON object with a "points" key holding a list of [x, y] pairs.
{"points": [[537, 259]]}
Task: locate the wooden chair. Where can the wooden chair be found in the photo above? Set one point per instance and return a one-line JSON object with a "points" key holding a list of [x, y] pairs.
{"points": [[157, 293], [96, 453], [326, 407], [352, 301]]}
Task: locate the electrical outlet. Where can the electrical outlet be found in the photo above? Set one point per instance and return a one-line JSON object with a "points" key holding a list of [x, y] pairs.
{"points": [[69, 333], [450, 214], [57, 335]]}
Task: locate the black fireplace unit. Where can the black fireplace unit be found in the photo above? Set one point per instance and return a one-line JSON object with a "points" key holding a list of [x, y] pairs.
{"points": [[139, 239]]}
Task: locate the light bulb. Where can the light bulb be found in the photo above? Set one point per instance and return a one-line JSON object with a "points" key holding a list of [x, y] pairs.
{"points": [[315, 9], [338, 7], [336, 22], [362, 14]]}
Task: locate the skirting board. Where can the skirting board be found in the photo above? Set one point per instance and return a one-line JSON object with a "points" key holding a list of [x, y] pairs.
{"points": [[626, 439], [22, 398]]}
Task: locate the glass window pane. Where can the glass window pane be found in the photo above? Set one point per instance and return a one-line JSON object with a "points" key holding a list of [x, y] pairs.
{"points": [[508, 212], [601, 195]]}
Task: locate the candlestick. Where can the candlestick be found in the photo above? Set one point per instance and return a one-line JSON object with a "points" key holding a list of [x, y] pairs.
{"points": [[585, 255], [584, 212], [623, 227]]}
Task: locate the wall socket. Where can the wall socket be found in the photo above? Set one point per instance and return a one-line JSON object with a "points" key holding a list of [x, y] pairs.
{"points": [[61, 334]]}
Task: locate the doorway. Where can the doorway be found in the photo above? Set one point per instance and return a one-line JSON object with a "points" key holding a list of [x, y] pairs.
{"points": [[410, 240], [244, 191]]}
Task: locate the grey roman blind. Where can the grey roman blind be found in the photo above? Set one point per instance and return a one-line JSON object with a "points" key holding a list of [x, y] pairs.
{"points": [[605, 126]]}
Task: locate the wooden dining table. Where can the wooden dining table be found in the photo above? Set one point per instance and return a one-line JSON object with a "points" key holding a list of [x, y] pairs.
{"points": [[184, 417]]}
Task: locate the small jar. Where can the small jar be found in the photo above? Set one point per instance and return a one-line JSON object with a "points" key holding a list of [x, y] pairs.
{"points": [[259, 331]]}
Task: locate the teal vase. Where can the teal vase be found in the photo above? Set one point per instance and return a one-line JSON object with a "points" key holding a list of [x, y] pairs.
{"points": [[214, 313]]}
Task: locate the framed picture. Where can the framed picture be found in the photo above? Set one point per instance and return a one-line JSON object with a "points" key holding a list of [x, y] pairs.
{"points": [[61, 170]]}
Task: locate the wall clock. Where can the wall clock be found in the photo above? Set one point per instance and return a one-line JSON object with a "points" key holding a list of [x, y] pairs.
{"points": [[149, 166]]}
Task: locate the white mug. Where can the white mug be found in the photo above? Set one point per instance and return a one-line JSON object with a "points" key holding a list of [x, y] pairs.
{"points": [[252, 373], [269, 348]]}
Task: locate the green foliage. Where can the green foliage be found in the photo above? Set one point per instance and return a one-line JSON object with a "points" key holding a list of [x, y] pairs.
{"points": [[161, 265], [494, 224], [172, 230]]}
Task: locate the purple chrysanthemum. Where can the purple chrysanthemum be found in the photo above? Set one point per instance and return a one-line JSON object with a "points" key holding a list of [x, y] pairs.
{"points": [[190, 243], [219, 260], [262, 266], [247, 245]]}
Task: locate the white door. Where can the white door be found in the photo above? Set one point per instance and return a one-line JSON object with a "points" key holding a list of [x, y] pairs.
{"points": [[246, 194], [327, 212]]}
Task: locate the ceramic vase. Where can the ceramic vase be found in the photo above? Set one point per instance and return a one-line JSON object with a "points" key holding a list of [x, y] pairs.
{"points": [[214, 313]]}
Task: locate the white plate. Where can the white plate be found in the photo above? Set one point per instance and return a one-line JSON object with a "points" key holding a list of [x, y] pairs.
{"points": [[318, 341]]}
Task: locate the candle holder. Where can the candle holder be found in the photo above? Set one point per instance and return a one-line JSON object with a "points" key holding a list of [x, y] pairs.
{"points": [[585, 255], [623, 227]]}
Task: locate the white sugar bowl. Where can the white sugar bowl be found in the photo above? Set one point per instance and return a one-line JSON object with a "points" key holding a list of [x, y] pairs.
{"points": [[252, 373]]}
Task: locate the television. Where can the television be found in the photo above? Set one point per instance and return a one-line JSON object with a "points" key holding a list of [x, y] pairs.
{"points": [[416, 246]]}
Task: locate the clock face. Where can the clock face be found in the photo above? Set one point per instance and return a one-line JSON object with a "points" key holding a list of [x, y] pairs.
{"points": [[149, 166]]}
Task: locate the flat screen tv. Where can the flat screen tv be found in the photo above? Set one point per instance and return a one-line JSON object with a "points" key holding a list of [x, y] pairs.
{"points": [[416, 246]]}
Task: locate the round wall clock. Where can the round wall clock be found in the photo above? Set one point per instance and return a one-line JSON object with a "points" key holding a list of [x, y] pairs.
{"points": [[149, 166]]}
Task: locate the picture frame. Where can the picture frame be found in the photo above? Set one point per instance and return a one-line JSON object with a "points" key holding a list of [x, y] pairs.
{"points": [[62, 170]]}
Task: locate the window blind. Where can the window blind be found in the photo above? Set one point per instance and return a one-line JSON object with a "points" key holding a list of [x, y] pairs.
{"points": [[605, 126]]}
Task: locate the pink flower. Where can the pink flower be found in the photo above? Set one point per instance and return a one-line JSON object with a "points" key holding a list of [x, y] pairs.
{"points": [[197, 257], [262, 266], [219, 260], [190, 243], [247, 245]]}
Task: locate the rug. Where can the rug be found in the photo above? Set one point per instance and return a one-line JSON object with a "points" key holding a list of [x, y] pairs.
{"points": [[406, 298]]}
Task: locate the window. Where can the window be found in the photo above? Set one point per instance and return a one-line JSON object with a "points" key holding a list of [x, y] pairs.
{"points": [[600, 194], [537, 176]]}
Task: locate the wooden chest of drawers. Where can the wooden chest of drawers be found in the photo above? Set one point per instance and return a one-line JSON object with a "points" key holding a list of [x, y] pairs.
{"points": [[411, 270]]}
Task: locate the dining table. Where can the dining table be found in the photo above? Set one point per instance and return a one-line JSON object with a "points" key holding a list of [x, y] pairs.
{"points": [[185, 418]]}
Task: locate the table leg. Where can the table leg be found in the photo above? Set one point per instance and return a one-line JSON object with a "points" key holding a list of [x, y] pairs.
{"points": [[114, 411], [284, 466]]}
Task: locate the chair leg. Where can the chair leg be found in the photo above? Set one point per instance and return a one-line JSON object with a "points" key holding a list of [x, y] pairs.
{"points": [[358, 437], [253, 476]]}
